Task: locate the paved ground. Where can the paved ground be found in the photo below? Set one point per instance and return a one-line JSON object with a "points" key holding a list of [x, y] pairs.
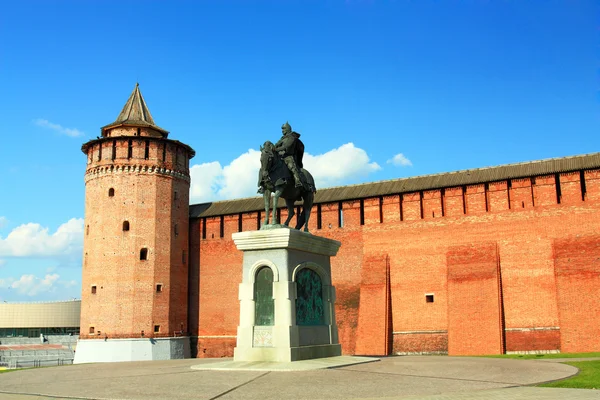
{"points": [[406, 377]]}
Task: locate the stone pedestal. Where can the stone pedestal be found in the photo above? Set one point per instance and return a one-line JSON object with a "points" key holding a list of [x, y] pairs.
{"points": [[297, 321]]}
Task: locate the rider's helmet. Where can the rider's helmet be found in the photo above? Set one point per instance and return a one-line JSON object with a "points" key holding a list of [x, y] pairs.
{"points": [[286, 128]]}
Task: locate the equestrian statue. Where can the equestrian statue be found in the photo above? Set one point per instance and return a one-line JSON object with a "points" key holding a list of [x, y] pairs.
{"points": [[282, 174]]}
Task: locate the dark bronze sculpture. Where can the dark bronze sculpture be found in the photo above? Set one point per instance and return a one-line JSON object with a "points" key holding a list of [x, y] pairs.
{"points": [[281, 173]]}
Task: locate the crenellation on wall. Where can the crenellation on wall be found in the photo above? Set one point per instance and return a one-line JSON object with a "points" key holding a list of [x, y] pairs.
{"points": [[521, 194], [213, 228], [330, 215], [592, 184], [372, 210], [454, 202], [412, 207], [432, 204], [231, 225], [544, 190], [498, 196], [475, 199], [570, 188], [390, 208], [250, 221], [351, 213]]}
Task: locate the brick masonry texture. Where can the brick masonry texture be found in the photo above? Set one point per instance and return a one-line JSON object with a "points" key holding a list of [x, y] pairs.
{"points": [[508, 264], [512, 265], [134, 207]]}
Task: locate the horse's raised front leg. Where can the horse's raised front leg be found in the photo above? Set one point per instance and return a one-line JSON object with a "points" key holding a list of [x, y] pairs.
{"points": [[267, 199], [290, 206]]}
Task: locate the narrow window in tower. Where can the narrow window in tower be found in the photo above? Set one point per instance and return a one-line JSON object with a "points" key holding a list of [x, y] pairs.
{"points": [[125, 225], [139, 131], [147, 151], [91, 330], [111, 192], [176, 230], [340, 215], [114, 150], [100, 152], [158, 287], [429, 298], [93, 289], [144, 254], [87, 230], [176, 195], [129, 149], [156, 328], [164, 152], [176, 157], [183, 257]]}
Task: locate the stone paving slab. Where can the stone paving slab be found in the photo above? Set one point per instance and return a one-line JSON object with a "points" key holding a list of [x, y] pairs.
{"points": [[406, 377], [303, 365]]}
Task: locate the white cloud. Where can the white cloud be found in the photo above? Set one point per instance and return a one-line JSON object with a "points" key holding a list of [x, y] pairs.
{"points": [[33, 240], [3, 222], [31, 285], [68, 284], [211, 181], [400, 160], [339, 165], [44, 123]]}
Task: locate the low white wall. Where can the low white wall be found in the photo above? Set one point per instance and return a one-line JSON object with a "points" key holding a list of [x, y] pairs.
{"points": [[138, 349]]}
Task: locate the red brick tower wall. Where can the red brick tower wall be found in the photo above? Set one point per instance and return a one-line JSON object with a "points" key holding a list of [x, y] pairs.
{"points": [[518, 256], [135, 175]]}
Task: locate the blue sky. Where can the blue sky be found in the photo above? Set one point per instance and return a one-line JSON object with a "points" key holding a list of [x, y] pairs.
{"points": [[434, 85]]}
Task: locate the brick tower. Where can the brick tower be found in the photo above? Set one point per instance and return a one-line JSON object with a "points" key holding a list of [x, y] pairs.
{"points": [[135, 268]]}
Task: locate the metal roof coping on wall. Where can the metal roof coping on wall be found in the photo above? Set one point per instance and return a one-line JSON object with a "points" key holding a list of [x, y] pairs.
{"points": [[412, 184]]}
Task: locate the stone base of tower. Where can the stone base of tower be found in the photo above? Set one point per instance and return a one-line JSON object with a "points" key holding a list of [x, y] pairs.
{"points": [[134, 349]]}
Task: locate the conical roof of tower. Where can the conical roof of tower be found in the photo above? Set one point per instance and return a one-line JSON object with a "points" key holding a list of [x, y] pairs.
{"points": [[136, 113]]}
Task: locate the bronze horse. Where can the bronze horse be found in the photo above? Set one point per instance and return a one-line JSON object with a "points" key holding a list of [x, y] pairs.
{"points": [[278, 180]]}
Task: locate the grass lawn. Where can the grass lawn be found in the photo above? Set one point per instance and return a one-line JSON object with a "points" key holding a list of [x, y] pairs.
{"points": [[587, 378], [545, 356]]}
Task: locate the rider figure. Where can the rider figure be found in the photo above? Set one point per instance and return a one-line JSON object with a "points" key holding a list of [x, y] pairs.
{"points": [[291, 149]]}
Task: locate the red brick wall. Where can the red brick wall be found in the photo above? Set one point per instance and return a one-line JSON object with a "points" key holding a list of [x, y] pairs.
{"points": [[220, 266], [474, 309], [519, 279], [577, 266], [532, 340], [373, 333]]}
